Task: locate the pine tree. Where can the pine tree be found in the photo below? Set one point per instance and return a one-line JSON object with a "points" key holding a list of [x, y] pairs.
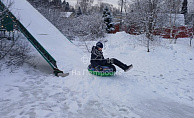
{"points": [[79, 12], [108, 19], [67, 7], [64, 3], [184, 7]]}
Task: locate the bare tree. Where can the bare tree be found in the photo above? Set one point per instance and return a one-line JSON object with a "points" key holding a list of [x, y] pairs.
{"points": [[172, 8], [85, 5], [146, 15], [191, 38], [190, 31]]}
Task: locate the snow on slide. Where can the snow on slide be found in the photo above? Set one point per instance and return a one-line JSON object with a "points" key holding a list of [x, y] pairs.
{"points": [[61, 49]]}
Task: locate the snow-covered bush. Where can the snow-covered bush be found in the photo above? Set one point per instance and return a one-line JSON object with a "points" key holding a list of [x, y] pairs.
{"points": [[90, 26], [13, 53]]}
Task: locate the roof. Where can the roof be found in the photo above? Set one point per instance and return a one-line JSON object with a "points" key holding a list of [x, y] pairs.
{"points": [[66, 14]]}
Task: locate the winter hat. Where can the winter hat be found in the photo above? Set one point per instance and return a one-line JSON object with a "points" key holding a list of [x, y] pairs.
{"points": [[99, 45]]}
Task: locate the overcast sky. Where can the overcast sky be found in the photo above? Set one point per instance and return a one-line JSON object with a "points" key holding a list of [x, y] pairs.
{"points": [[113, 2]]}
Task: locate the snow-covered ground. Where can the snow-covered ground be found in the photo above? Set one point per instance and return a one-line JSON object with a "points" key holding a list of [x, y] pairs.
{"points": [[161, 84]]}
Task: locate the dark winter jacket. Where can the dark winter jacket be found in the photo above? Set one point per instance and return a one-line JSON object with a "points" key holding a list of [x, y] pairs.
{"points": [[96, 57]]}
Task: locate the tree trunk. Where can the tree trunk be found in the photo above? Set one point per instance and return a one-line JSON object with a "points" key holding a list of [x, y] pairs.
{"points": [[148, 45]]}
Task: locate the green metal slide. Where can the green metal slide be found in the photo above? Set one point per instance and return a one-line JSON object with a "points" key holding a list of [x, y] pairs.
{"points": [[10, 21]]}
